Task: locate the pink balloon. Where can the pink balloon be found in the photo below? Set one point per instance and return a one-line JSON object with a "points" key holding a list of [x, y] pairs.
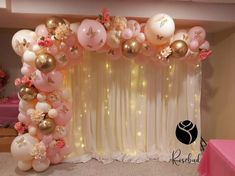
{"points": [[51, 152], [53, 50], [140, 37], [64, 114], [149, 50], [71, 40], [27, 70], [41, 30], [197, 33], [193, 45], [55, 159], [114, 54], [65, 150], [134, 26], [205, 45], [47, 82], [127, 34], [91, 34]]}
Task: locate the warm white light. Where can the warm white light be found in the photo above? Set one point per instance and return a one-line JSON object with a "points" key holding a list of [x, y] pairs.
{"points": [[139, 133]]}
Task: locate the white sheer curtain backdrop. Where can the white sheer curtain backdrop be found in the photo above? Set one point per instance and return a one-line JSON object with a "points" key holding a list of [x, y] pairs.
{"points": [[129, 112]]}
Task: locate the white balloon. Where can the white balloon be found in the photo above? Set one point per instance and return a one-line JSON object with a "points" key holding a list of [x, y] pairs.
{"points": [[74, 27], [22, 40], [41, 97], [24, 165], [159, 29], [52, 113], [40, 165], [32, 130], [22, 145], [24, 106], [29, 57], [180, 35], [43, 106], [36, 48]]}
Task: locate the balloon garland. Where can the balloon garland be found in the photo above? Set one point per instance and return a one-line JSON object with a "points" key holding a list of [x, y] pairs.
{"points": [[56, 45]]}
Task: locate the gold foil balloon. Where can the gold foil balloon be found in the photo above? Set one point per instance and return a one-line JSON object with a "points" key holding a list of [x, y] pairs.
{"points": [[179, 48], [47, 126], [130, 48], [28, 93], [53, 22], [45, 62]]}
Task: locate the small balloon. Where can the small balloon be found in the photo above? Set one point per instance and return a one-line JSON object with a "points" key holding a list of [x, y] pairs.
{"points": [[130, 48], [179, 48], [134, 26], [53, 22], [40, 165], [45, 62], [24, 165], [113, 39], [41, 30], [28, 93], [47, 126], [127, 34]]}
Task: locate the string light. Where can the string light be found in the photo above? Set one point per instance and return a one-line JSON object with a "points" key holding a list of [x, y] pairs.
{"points": [[139, 133]]}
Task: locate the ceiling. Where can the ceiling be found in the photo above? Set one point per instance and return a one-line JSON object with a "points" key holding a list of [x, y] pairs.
{"points": [[214, 15]]}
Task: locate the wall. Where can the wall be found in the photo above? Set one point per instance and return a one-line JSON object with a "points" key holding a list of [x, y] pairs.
{"points": [[218, 88], [9, 61]]}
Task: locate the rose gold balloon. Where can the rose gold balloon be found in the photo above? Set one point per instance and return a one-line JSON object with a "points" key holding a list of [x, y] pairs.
{"points": [[45, 62], [179, 48], [130, 48], [47, 126], [28, 93]]}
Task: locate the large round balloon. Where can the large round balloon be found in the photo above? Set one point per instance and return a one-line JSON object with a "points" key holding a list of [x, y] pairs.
{"points": [[91, 34], [197, 33], [159, 29], [47, 82], [21, 147], [22, 41]]}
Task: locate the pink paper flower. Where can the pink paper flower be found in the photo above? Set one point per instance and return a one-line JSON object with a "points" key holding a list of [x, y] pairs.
{"points": [[26, 81], [60, 143], [204, 54], [20, 127], [17, 82], [45, 42]]}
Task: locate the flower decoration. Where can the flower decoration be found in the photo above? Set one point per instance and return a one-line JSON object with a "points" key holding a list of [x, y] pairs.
{"points": [[204, 54], [36, 116], [45, 42], [118, 23], [164, 53], [104, 18], [20, 127], [60, 143], [62, 32], [39, 151], [25, 80]]}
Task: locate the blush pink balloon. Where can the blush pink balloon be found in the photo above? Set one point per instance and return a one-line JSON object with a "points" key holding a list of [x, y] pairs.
{"points": [[134, 27], [53, 49], [91, 34], [55, 159], [65, 151], [64, 114], [71, 40], [47, 82], [127, 34], [41, 30], [114, 54], [205, 45], [140, 37], [197, 33], [27, 70], [193, 45]]}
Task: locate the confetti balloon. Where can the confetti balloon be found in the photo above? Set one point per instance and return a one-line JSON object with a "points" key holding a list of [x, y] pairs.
{"points": [[91, 34]]}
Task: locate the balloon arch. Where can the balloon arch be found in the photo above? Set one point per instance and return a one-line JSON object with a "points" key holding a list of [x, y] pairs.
{"points": [[58, 45]]}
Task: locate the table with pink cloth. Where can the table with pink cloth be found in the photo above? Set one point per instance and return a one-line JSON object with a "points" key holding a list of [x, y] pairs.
{"points": [[9, 112], [218, 159]]}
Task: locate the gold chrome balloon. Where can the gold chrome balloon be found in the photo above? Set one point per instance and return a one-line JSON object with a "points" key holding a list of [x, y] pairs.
{"points": [[179, 48], [47, 125], [130, 48], [53, 22], [45, 62], [28, 93]]}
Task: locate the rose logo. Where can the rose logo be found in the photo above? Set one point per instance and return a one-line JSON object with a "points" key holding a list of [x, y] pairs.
{"points": [[186, 132]]}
